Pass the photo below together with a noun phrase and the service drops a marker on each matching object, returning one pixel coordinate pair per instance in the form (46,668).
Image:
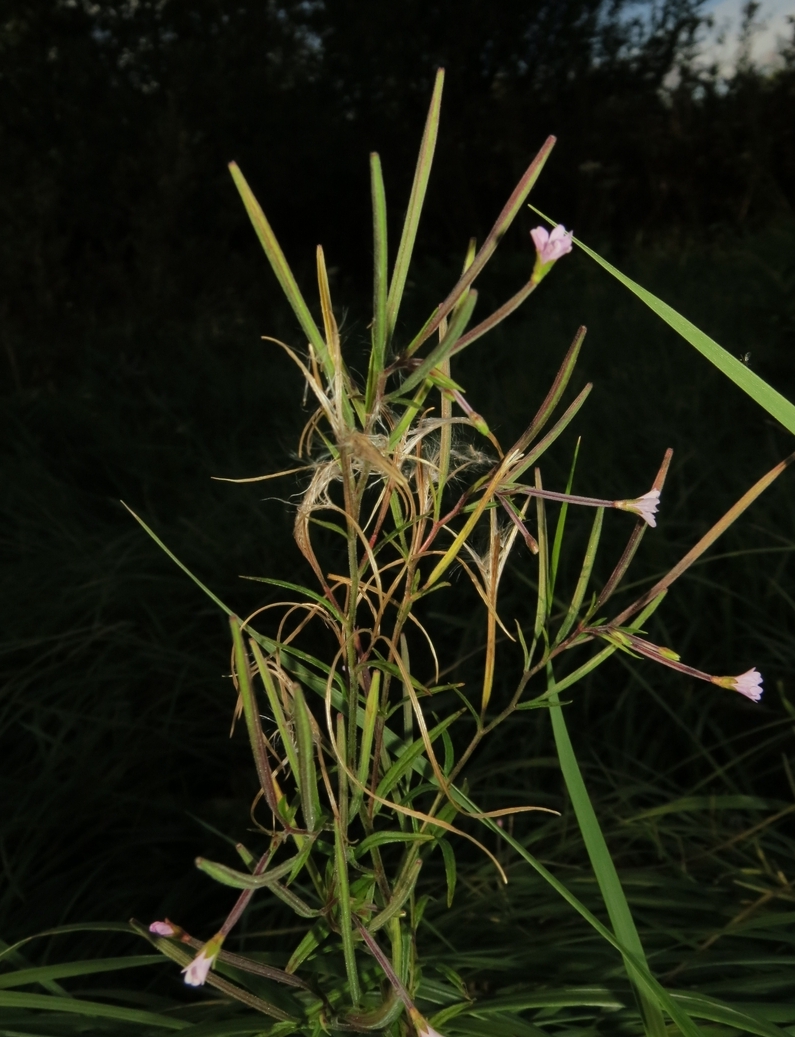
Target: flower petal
(162,928)
(749,684)
(196,973)
(540,236)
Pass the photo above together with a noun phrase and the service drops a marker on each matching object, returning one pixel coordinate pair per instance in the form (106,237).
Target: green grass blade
(605,870)
(63,970)
(686,1025)
(9,950)
(757,388)
(380,281)
(284,274)
(94,1009)
(416,200)
(738,1018)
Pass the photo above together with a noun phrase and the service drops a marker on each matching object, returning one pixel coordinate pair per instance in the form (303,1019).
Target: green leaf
(560,528)
(309,943)
(416,200)
(345,915)
(243,880)
(306,775)
(585,576)
(449,869)
(406,760)
(652,985)
(48,1003)
(46,973)
(439,353)
(368,731)
(380,281)
(557,429)
(299,589)
(757,388)
(383,838)
(719,1012)
(284,274)
(276,706)
(251,714)
(509,212)
(602,863)
(401,891)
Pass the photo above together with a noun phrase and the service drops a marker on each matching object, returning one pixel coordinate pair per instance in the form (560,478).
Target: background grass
(115,708)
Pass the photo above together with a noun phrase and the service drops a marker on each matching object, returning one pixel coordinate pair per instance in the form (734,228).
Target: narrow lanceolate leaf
(584,578)
(605,870)
(276,707)
(384,838)
(448,853)
(443,350)
(345,915)
(251,714)
(560,529)
(380,281)
(368,731)
(757,388)
(557,429)
(281,268)
(404,887)
(405,762)
(486,251)
(242,880)
(307,773)
(411,223)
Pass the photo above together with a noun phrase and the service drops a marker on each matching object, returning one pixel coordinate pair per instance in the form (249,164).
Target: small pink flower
(551,247)
(749,684)
(196,972)
(645,506)
(162,928)
(424,1028)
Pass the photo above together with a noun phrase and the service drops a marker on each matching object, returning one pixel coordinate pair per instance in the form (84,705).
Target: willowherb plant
(360,777)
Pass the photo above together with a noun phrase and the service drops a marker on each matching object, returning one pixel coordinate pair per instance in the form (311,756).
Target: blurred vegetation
(132,298)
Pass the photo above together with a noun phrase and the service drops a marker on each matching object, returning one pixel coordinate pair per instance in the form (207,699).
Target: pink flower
(749,684)
(196,972)
(162,928)
(645,506)
(551,247)
(424,1028)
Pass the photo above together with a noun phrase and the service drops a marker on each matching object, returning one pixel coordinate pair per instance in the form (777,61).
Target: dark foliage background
(132,298)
